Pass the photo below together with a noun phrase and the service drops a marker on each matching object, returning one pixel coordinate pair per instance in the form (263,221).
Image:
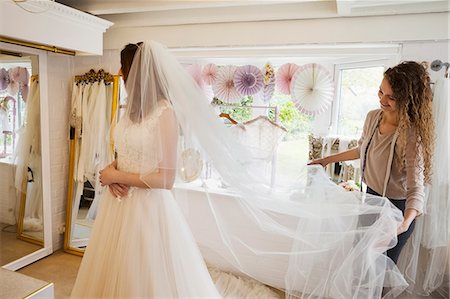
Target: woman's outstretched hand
(322,162)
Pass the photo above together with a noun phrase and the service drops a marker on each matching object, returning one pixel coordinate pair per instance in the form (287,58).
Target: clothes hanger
(266,119)
(227,116)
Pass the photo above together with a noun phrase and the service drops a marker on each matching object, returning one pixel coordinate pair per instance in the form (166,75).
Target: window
(12,104)
(356,93)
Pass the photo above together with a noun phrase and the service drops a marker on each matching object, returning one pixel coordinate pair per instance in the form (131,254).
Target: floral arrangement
(269,74)
(269,82)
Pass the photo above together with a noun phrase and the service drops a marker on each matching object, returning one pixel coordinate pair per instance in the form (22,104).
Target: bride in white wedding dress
(324,242)
(141,246)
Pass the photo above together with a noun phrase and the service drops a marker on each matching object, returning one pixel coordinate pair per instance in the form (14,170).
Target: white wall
(60,69)
(371,29)
(427,51)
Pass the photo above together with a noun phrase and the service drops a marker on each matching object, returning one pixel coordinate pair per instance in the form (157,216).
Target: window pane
(358,95)
(292,152)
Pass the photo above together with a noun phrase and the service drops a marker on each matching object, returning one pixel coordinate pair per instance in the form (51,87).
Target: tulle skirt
(141,247)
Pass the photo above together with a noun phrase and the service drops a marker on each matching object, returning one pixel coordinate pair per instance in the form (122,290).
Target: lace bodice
(138,144)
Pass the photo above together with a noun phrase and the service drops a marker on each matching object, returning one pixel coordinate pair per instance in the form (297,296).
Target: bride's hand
(119,190)
(108,175)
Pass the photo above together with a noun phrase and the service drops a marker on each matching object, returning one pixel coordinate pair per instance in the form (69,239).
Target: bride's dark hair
(126,58)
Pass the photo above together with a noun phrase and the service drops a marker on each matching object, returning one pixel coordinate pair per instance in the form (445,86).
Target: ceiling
(170,12)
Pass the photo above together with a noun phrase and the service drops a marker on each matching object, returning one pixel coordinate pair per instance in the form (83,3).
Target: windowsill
(212,186)
(7,160)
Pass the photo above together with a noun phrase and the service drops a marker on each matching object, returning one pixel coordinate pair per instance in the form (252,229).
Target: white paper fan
(312,89)
(191,165)
(224,87)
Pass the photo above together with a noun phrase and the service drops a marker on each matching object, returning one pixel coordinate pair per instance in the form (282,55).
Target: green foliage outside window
(237,113)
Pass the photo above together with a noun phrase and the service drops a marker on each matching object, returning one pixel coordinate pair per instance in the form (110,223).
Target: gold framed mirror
(21,204)
(84,190)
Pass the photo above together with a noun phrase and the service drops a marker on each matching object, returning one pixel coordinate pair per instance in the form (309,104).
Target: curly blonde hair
(410,84)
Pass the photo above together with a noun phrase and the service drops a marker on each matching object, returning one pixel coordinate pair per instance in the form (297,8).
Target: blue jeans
(394,252)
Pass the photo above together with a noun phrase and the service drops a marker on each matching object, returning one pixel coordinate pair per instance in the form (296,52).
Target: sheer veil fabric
(425,258)
(313,239)
(330,243)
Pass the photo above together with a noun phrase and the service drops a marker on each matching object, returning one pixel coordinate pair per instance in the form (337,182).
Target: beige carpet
(60,268)
(12,248)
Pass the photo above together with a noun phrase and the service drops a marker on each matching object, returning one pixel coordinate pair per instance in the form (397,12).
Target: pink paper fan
(209,73)
(312,89)
(13,88)
(14,74)
(248,80)
(4,79)
(284,77)
(224,87)
(195,70)
(24,89)
(24,76)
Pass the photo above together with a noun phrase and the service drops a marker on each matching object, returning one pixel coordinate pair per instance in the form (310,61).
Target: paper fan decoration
(13,88)
(14,74)
(24,89)
(4,79)
(284,77)
(248,80)
(209,73)
(269,82)
(312,89)
(195,70)
(191,165)
(223,87)
(24,76)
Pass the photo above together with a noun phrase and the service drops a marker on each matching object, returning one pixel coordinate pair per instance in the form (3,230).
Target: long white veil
(327,243)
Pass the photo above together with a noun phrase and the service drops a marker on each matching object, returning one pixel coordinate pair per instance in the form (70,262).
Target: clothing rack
(437,65)
(92,76)
(275,108)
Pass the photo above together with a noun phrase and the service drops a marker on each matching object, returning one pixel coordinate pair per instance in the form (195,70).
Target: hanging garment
(261,137)
(90,116)
(28,156)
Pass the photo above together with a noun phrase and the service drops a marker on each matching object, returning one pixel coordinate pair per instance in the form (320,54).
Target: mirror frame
(45,156)
(70,185)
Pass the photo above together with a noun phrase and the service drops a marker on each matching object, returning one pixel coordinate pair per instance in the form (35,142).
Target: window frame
(338,68)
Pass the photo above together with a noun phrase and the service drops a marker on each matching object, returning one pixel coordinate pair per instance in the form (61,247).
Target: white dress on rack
(141,246)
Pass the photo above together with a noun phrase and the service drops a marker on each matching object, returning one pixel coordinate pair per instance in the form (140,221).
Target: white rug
(231,286)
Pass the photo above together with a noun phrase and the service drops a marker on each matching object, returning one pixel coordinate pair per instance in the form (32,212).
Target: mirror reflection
(94,103)
(21,215)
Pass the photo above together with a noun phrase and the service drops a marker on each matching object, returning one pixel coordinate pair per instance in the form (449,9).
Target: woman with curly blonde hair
(396,146)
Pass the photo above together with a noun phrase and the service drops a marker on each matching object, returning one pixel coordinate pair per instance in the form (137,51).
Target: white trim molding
(50,23)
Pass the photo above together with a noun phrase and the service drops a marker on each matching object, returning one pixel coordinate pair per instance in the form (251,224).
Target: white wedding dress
(141,246)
